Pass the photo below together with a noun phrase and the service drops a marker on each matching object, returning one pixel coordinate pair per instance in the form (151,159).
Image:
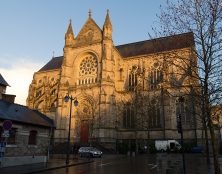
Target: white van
(164,145)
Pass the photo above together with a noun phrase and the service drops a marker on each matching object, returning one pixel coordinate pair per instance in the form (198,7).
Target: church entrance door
(84,132)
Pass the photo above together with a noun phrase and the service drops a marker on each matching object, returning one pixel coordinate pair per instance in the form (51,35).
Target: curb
(59,167)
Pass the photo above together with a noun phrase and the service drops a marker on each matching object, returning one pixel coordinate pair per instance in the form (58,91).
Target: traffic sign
(6,134)
(7,125)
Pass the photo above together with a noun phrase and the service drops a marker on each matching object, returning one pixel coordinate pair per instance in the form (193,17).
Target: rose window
(88,66)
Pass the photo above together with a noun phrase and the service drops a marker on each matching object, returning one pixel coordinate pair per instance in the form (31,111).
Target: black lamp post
(180,130)
(66,99)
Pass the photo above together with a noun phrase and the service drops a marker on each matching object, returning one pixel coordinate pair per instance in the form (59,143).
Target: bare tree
(204,19)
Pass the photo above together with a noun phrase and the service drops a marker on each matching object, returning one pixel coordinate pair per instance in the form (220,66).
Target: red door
(84,132)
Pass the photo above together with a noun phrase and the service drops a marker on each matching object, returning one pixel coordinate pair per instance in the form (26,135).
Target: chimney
(9,98)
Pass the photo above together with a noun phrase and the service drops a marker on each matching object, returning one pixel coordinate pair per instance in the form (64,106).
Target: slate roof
(168,43)
(157,45)
(2,81)
(54,63)
(22,114)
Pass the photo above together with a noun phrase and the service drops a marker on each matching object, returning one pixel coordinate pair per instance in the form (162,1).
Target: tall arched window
(133,78)
(155,76)
(185,110)
(32,137)
(128,117)
(154,115)
(88,70)
(121,74)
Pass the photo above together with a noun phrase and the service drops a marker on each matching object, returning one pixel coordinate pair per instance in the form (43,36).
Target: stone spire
(69,37)
(107,20)
(107,27)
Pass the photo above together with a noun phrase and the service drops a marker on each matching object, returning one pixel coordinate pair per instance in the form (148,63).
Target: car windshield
(88,148)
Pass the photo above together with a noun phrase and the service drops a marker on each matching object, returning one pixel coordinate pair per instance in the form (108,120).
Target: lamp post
(66,99)
(180,130)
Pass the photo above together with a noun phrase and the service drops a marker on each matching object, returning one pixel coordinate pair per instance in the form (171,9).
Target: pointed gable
(3,82)
(89,34)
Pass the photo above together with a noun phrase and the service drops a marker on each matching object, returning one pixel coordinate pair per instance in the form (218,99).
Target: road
(143,164)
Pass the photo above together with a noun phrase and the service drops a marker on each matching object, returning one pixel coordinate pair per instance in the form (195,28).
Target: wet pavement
(52,164)
(161,163)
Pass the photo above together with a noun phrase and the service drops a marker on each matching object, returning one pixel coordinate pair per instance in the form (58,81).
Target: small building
(26,138)
(3,86)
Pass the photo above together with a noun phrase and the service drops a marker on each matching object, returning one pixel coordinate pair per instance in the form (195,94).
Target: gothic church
(125,93)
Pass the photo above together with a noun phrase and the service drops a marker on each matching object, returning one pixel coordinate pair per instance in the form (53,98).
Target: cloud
(19,77)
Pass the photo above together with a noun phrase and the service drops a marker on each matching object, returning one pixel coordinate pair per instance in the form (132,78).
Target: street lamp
(180,130)
(66,99)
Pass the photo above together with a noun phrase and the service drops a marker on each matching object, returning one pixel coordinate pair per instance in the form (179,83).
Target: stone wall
(21,152)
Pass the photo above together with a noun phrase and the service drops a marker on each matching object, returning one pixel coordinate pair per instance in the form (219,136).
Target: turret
(107,27)
(69,37)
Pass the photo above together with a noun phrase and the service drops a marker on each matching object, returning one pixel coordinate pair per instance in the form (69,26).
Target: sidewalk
(54,163)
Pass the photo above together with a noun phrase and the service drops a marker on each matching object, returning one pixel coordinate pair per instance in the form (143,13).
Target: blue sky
(31,30)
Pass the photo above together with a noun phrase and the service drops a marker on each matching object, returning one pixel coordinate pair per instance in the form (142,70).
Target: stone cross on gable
(90,13)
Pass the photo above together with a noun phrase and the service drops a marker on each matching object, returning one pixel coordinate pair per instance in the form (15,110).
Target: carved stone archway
(85,116)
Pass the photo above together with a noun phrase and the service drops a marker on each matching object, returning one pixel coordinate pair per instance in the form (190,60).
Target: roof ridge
(21,113)
(159,38)
(53,63)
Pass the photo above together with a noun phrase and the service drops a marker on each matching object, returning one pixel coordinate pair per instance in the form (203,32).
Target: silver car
(89,152)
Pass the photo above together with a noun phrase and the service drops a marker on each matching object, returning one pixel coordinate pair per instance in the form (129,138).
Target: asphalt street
(162,163)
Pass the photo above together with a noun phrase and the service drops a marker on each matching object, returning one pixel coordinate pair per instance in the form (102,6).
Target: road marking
(153,166)
(104,164)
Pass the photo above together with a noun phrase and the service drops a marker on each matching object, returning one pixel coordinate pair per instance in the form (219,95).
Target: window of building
(155,76)
(121,74)
(53,92)
(88,69)
(38,93)
(182,108)
(154,115)
(128,117)
(32,137)
(53,107)
(133,78)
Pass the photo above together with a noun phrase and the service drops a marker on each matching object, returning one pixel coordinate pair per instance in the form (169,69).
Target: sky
(32,31)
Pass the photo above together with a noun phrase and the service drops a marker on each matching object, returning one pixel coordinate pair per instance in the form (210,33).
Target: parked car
(89,152)
(197,149)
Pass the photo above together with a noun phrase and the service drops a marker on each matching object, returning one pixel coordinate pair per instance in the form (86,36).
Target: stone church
(118,94)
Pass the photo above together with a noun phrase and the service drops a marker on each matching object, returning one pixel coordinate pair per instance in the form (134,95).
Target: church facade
(126,93)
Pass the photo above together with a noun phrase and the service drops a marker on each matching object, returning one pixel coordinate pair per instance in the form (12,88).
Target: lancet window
(153,113)
(128,117)
(185,111)
(155,76)
(133,78)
